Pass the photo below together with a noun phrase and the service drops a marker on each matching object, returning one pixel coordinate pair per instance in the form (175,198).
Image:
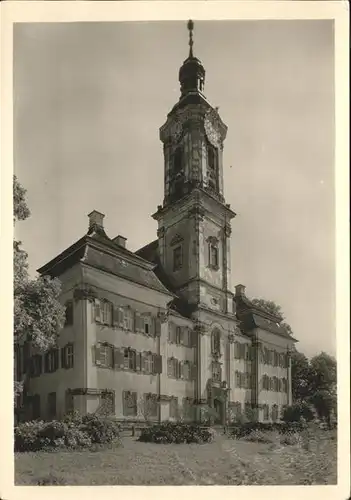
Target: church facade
(159,333)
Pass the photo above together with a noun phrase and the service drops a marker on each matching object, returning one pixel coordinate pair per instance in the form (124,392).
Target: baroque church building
(158,333)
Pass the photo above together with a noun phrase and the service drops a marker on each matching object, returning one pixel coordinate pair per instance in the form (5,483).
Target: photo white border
(94,11)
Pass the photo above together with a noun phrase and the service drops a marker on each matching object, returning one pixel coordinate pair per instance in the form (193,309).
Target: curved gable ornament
(176,239)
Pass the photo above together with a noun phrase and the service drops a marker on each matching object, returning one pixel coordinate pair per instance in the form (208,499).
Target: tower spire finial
(191,43)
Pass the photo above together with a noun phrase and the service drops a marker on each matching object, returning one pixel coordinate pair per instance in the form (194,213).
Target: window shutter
(157,363)
(56,359)
(97,311)
(138,361)
(181,369)
(124,402)
(143,361)
(97,355)
(181,335)
(157,327)
(116,316)
(63,360)
(117,358)
(193,371)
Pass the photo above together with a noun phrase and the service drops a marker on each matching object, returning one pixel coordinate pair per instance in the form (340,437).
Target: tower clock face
(211,132)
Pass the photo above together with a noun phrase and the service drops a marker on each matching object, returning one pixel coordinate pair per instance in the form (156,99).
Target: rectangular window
(106,313)
(67,355)
(36,406)
(51,361)
(128,317)
(52,405)
(172,367)
(147,325)
(130,359)
(173,407)
(172,336)
(129,404)
(105,356)
(265,412)
(188,409)
(150,405)
(148,362)
(177,258)
(107,403)
(36,365)
(275,413)
(213,255)
(186,370)
(69,313)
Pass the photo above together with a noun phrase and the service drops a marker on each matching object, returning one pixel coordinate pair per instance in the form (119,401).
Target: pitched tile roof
(99,251)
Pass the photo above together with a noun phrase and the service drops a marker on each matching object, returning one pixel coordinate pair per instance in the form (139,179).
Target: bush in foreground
(72,432)
(176,432)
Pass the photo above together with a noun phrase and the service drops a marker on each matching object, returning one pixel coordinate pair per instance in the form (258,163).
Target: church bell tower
(194,220)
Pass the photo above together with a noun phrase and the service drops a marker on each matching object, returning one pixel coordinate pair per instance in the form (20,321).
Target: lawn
(222,462)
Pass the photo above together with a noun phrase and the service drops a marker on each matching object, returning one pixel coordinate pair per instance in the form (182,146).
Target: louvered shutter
(138,361)
(157,363)
(97,311)
(118,358)
(143,361)
(137,320)
(97,355)
(157,327)
(181,335)
(56,359)
(116,316)
(181,369)
(124,402)
(63,358)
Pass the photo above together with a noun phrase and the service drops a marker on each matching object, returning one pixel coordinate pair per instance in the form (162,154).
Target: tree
(275,309)
(300,375)
(268,306)
(38,314)
(323,385)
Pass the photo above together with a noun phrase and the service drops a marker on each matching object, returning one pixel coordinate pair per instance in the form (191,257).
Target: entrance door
(218,407)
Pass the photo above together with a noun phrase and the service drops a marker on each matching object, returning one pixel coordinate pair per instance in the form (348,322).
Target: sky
(89,99)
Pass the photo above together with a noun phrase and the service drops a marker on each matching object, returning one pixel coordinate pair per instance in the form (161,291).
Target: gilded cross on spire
(191,43)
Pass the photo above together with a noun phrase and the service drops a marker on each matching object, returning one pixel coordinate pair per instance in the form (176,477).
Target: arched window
(216,342)
(178,160)
(212,167)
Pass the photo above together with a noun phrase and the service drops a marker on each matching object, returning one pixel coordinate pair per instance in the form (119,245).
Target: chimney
(96,220)
(240,291)
(120,240)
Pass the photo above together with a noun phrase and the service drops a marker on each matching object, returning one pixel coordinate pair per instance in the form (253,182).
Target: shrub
(291,439)
(258,436)
(101,429)
(176,432)
(73,431)
(295,412)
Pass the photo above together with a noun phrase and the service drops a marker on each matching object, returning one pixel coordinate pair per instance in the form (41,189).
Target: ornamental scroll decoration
(86,293)
(163,316)
(200,327)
